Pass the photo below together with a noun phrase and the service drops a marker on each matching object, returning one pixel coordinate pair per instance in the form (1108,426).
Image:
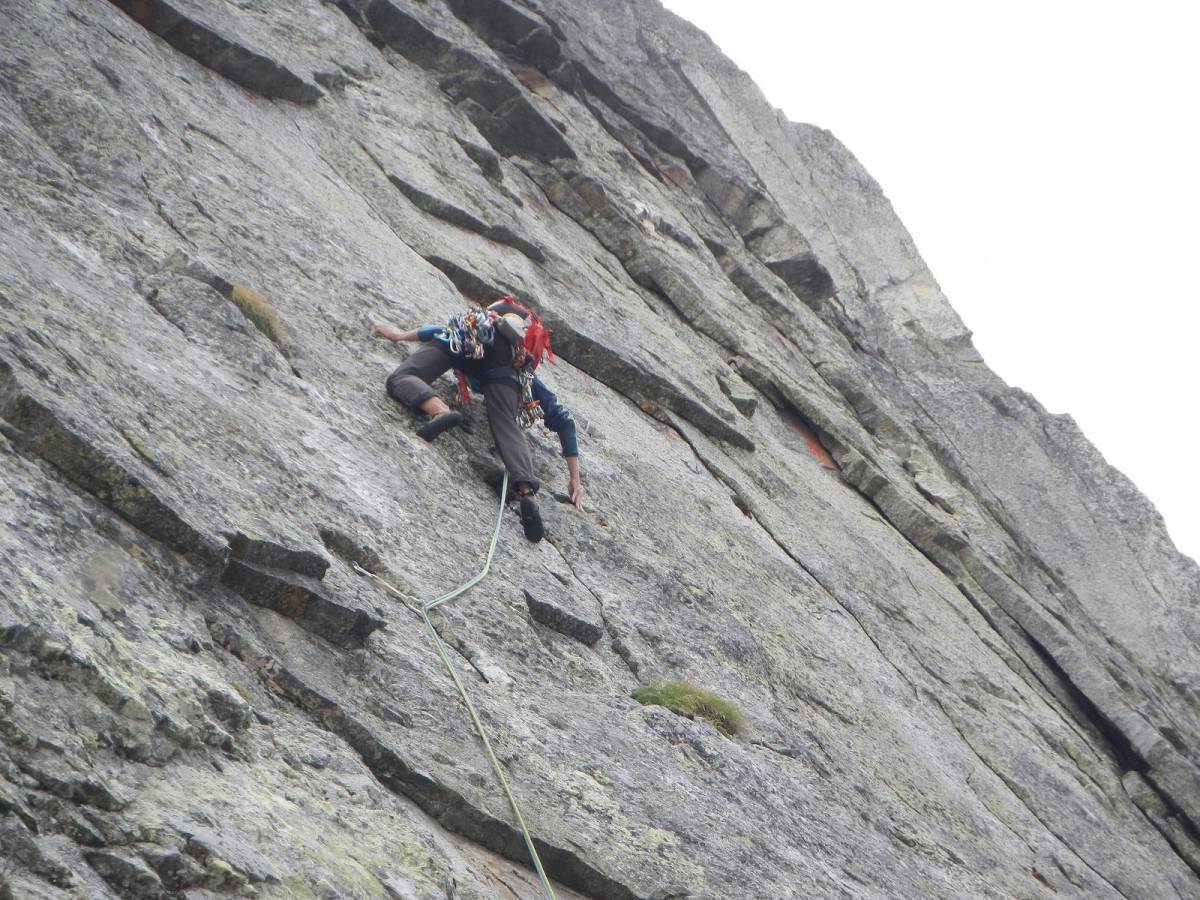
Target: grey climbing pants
(409,384)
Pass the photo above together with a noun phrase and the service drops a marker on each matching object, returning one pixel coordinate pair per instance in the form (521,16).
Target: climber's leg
(503,399)
(503,402)
(409,384)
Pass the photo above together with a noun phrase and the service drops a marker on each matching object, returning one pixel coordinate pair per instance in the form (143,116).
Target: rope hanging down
(440,646)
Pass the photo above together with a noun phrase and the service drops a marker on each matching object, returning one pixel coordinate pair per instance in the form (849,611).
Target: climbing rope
(440,646)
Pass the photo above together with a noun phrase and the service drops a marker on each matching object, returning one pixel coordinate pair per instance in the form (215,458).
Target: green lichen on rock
(223,876)
(686,699)
(141,447)
(259,312)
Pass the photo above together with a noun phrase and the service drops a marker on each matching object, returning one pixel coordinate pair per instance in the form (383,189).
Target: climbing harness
(440,646)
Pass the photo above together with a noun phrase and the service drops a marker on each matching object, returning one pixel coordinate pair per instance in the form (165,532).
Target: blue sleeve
(557,418)
(429,332)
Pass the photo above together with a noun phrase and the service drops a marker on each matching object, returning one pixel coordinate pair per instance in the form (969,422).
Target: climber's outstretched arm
(423,334)
(559,420)
(387,331)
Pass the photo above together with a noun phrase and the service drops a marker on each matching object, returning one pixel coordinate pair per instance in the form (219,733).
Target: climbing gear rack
(530,412)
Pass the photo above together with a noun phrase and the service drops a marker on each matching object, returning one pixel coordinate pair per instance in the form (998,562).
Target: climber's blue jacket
(556,417)
(484,371)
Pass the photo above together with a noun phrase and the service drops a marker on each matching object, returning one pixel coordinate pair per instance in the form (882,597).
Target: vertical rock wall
(964,645)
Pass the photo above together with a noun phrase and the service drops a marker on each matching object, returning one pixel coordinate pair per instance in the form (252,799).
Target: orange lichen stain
(814,447)
(677,175)
(140,11)
(534,81)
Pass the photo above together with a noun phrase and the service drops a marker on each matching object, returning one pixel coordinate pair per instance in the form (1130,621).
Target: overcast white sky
(1045,157)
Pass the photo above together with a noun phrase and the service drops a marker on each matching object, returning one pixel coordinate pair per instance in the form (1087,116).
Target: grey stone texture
(965,647)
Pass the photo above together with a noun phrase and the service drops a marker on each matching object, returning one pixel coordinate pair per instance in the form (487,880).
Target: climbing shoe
(440,423)
(531,518)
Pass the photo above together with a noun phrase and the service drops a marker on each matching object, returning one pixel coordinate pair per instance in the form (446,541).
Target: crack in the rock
(162,214)
(615,642)
(458,644)
(47,434)
(721,478)
(1013,790)
(227,58)
(1020,837)
(382,219)
(441,802)
(459,218)
(151,298)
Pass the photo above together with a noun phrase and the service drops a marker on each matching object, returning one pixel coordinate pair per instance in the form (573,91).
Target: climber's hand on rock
(392,334)
(575,490)
(574,485)
(386,331)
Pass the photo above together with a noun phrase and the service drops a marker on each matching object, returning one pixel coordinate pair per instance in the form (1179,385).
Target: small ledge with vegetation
(685,699)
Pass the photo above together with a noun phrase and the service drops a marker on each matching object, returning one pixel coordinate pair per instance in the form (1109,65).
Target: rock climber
(495,351)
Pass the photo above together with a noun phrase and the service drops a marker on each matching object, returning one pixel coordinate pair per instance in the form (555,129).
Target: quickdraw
(464,387)
(531,411)
(470,334)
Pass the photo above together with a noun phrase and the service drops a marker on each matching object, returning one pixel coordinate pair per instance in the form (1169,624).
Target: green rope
(440,646)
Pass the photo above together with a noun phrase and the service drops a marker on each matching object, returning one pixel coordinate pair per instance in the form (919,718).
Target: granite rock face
(964,645)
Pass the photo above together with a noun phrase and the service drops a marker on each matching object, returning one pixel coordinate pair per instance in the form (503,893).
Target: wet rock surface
(964,645)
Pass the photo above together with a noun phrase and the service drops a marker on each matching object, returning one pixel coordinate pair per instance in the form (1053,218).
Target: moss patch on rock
(686,699)
(259,312)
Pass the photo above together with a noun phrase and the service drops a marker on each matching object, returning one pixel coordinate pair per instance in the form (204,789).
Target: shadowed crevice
(222,55)
(440,801)
(37,428)
(302,600)
(492,99)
